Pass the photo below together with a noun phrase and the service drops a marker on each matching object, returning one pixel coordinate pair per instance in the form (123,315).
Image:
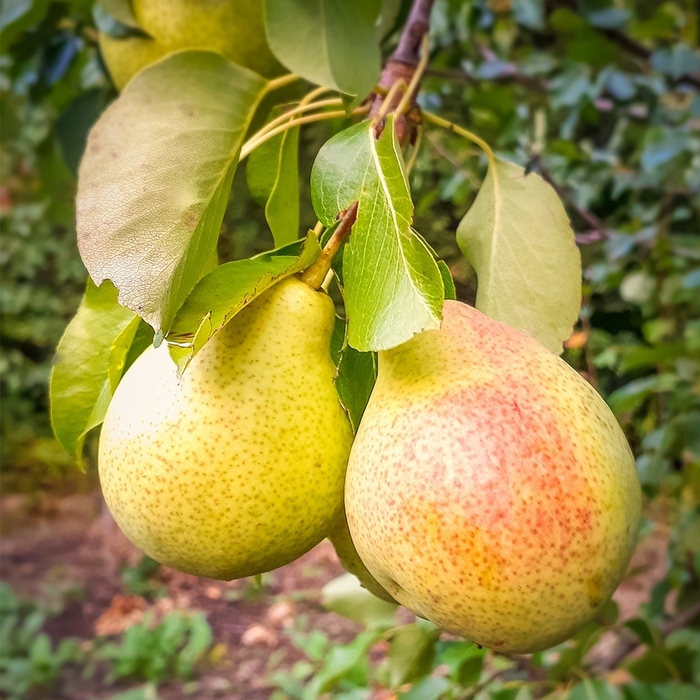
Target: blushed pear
(490,489)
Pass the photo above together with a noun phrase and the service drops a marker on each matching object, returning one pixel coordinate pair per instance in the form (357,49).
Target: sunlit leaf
(518,238)
(393,287)
(156,175)
(90,360)
(594,689)
(226,290)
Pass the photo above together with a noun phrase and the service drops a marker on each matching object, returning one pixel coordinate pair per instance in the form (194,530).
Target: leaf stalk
(282,81)
(450,126)
(252,143)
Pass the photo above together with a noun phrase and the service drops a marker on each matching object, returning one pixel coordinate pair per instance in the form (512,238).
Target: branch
(401,66)
(511,77)
(682,619)
(626,42)
(417,26)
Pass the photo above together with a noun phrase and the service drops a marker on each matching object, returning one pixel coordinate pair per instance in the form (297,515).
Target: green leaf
(463,659)
(654,666)
(529,13)
(393,286)
(646,633)
(676,61)
(430,688)
(273,180)
(116,19)
(633,395)
(448,282)
(333,43)
(662,145)
(411,653)
(156,175)
(642,357)
(17,16)
(571,657)
(121,10)
(518,239)
(89,362)
(357,373)
(226,290)
(660,691)
(340,661)
(346,596)
(594,689)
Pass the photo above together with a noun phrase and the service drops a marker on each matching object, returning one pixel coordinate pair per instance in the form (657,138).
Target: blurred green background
(602,98)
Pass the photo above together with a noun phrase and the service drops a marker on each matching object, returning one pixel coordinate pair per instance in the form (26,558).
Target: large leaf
(273,180)
(90,360)
(393,287)
(226,290)
(156,176)
(329,42)
(518,238)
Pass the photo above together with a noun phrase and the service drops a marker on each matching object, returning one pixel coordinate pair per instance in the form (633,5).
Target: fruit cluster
(488,488)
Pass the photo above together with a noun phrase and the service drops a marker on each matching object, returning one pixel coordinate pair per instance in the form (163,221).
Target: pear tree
(230,390)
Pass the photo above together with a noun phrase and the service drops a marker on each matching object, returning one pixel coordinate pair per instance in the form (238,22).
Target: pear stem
(300,109)
(315,274)
(311,96)
(252,143)
(439,121)
(280,82)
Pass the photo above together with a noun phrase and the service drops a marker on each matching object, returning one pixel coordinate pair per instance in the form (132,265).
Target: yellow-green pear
(238,467)
(233,28)
(490,488)
(345,549)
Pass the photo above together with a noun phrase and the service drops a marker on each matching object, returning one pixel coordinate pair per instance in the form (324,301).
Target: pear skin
(237,468)
(490,488)
(233,28)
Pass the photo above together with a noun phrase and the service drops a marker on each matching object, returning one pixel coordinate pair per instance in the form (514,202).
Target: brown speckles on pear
(489,487)
(223,474)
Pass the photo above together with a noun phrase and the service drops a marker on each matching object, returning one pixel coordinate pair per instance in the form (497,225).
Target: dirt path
(68,553)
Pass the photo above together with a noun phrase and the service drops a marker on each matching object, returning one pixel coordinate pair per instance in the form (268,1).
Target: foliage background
(602,97)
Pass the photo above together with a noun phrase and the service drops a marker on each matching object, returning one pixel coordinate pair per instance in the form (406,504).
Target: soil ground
(67,553)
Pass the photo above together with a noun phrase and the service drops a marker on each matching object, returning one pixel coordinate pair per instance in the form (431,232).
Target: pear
(347,554)
(490,488)
(238,467)
(233,28)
